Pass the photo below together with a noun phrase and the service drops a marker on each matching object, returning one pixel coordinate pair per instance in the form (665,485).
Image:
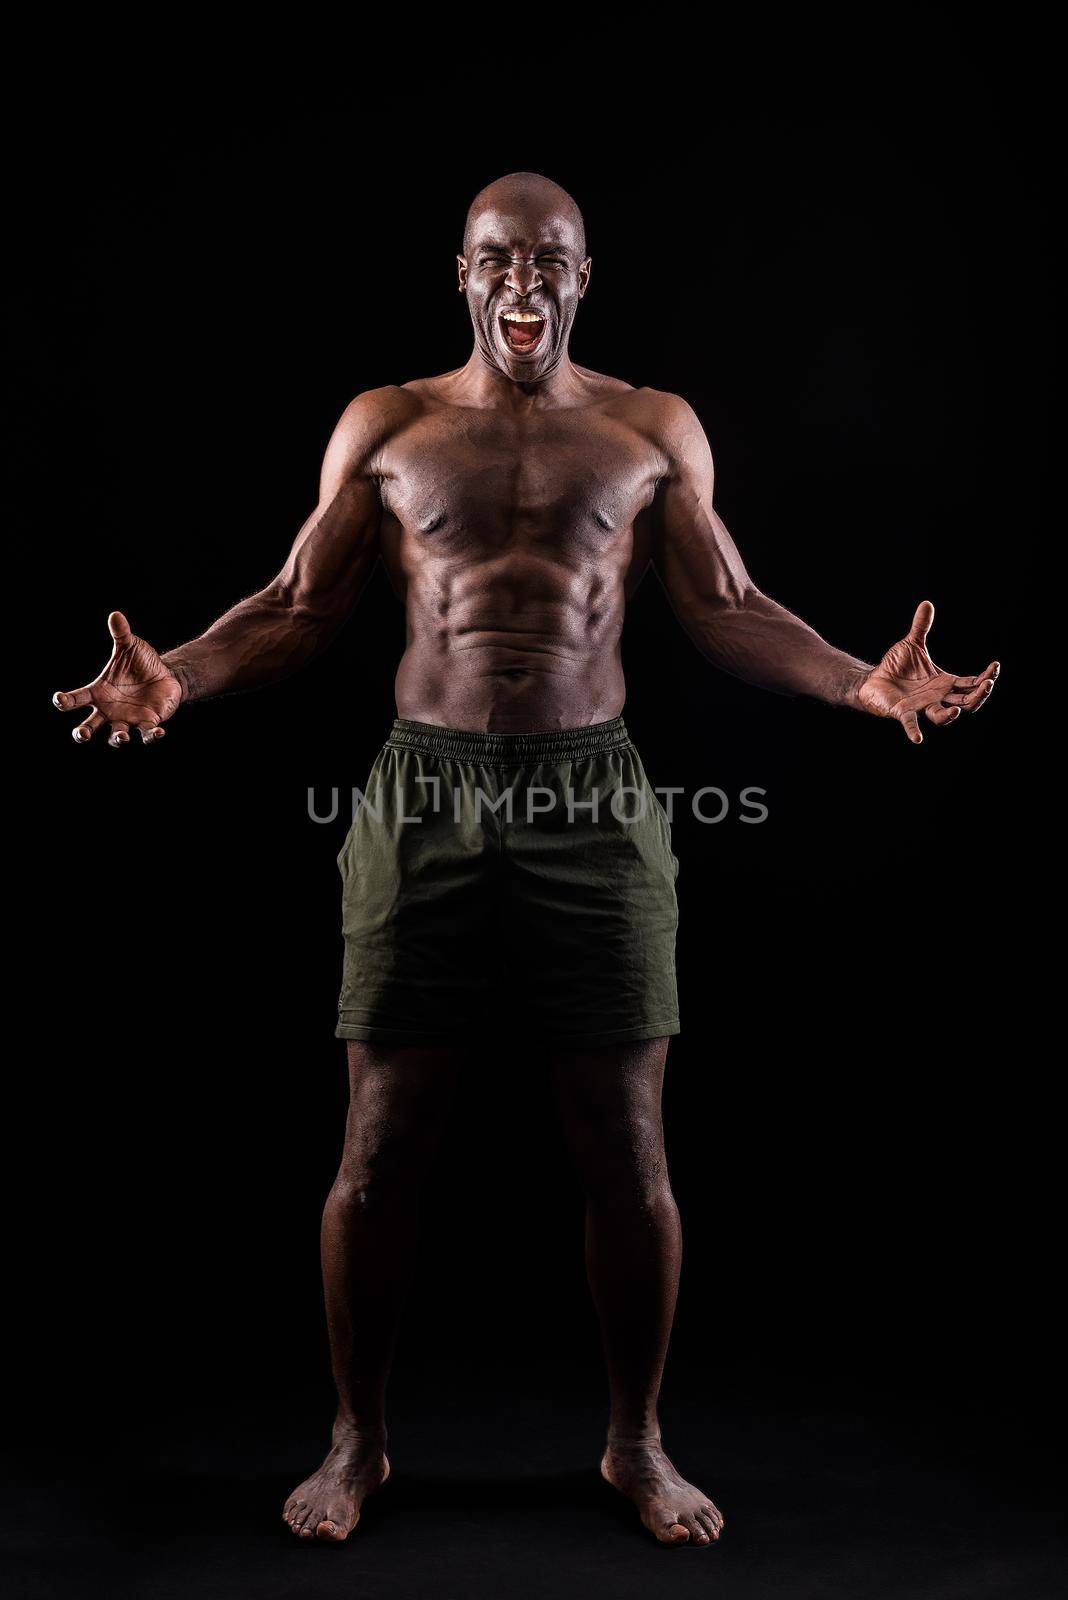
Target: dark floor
(815,1507)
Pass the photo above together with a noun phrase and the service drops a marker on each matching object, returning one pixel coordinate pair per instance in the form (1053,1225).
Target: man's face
(524,274)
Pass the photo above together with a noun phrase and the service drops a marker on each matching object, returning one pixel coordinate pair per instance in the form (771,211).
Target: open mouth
(522,331)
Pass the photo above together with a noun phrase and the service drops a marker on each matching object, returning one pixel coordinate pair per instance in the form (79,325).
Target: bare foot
(327,1505)
(676,1511)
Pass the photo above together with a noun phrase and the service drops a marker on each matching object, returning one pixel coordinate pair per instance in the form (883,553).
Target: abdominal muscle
(516,646)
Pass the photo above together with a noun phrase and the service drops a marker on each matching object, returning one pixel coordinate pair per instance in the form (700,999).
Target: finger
(71,699)
(85,730)
(119,629)
(921,622)
(120,734)
(940,715)
(990,674)
(978,697)
(910,723)
(151,735)
(970,699)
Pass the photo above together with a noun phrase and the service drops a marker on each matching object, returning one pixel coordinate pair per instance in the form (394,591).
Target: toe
(708,1525)
(331,1531)
(698,1534)
(672,1532)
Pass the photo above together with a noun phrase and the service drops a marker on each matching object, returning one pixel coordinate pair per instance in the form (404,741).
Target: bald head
(524,270)
(525,192)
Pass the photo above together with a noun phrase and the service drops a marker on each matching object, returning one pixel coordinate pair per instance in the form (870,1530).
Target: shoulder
(654,412)
(673,418)
(366,425)
(671,426)
(376,413)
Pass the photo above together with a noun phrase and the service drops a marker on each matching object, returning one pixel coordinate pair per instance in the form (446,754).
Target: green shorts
(530,868)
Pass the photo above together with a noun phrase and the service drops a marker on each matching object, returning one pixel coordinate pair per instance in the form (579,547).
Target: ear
(584,275)
(461,267)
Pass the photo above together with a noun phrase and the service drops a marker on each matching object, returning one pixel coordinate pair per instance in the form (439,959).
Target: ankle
(348,1431)
(633,1438)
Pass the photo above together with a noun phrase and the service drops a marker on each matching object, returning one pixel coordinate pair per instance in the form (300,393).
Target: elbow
(724,620)
(731,596)
(745,596)
(298,611)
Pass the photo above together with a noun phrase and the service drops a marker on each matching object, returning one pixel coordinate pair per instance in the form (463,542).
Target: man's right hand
(135,690)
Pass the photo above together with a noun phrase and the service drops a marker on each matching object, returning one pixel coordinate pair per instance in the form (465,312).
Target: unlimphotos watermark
(709,804)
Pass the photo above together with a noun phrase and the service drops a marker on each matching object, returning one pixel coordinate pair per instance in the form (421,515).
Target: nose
(523,278)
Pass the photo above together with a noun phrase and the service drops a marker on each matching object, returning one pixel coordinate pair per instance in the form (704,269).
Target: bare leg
(610,1105)
(398,1099)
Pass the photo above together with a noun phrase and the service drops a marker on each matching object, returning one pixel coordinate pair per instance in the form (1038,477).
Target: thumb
(921,622)
(911,724)
(119,628)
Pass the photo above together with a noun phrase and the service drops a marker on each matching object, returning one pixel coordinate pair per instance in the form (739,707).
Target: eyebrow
(542,249)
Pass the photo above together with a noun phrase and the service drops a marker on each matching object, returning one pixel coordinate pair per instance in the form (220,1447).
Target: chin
(524,369)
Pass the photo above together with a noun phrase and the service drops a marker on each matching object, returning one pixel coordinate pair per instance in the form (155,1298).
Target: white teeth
(521,316)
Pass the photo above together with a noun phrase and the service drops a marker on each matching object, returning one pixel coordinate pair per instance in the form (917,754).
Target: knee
(371,1180)
(627,1173)
(636,1192)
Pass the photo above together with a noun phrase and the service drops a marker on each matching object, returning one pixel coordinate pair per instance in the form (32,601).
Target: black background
(832,241)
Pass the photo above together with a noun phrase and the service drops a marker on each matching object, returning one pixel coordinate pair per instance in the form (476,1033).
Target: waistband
(509,749)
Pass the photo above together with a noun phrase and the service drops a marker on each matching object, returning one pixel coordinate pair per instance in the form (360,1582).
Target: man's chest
(467,474)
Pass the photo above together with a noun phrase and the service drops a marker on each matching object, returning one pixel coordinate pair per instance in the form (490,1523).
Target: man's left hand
(906,682)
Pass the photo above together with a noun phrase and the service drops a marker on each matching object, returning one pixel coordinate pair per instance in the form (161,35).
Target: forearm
(258,641)
(732,623)
(760,641)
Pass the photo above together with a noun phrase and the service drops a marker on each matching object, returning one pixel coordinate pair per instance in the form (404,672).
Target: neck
(484,384)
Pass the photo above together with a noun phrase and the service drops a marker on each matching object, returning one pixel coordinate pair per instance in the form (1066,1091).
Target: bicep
(333,554)
(694,555)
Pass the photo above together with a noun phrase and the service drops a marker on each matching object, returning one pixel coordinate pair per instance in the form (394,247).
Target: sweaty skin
(516,503)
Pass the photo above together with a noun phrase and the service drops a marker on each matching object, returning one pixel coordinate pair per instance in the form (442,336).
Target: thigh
(610,1105)
(418,913)
(399,1098)
(590,909)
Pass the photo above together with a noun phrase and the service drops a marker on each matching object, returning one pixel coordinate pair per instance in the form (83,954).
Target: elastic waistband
(509,749)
